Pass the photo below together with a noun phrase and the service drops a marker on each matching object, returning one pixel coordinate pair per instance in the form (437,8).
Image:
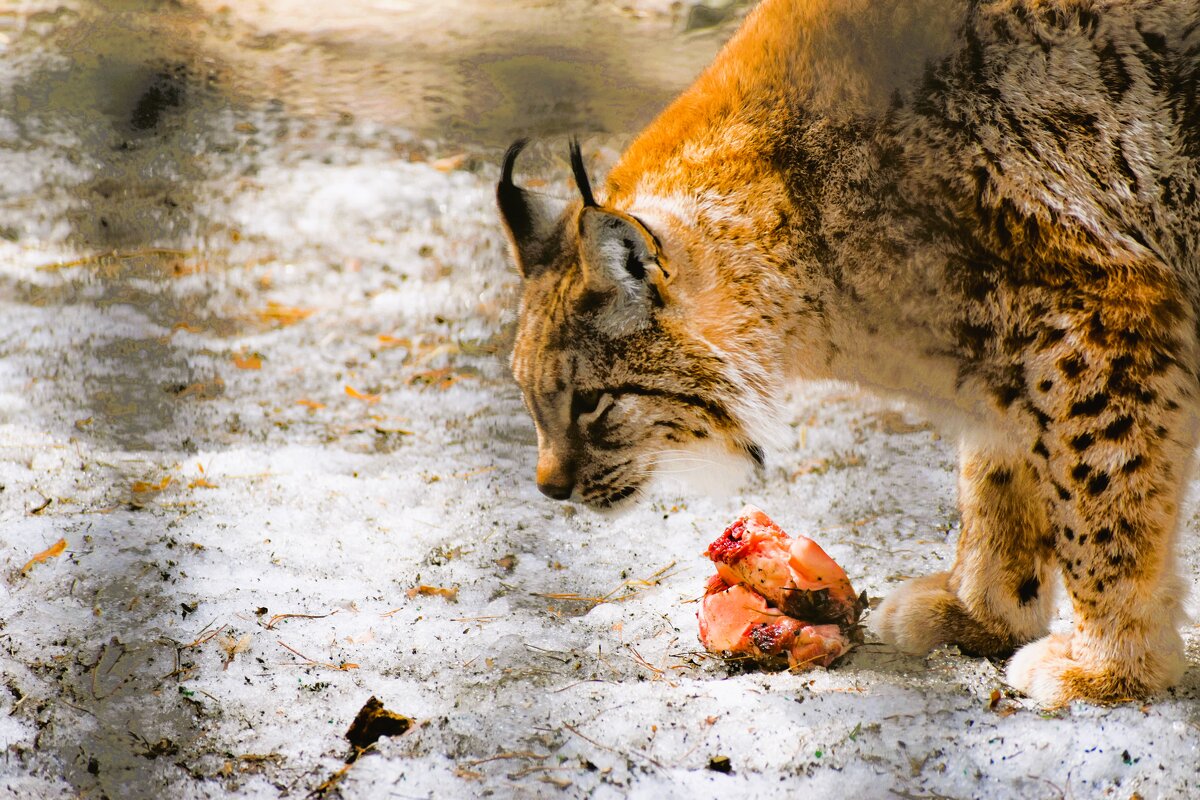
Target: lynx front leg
(998,593)
(1117,444)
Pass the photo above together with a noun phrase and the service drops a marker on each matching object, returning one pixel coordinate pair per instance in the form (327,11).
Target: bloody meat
(775,597)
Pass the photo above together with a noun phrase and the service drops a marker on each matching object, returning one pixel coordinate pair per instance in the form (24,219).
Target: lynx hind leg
(1117,443)
(998,594)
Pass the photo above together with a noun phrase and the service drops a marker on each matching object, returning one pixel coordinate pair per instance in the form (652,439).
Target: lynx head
(618,381)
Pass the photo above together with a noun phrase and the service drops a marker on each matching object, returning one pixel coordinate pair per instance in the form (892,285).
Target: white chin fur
(704,467)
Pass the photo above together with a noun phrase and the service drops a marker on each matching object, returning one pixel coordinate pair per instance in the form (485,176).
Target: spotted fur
(987,207)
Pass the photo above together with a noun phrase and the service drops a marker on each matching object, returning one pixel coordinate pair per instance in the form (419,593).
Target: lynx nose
(556,491)
(554,478)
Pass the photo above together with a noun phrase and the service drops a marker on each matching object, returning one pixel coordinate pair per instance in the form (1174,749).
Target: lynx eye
(585,401)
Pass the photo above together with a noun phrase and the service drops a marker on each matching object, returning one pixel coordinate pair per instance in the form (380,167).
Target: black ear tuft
(533,221)
(514,206)
(581,176)
(510,160)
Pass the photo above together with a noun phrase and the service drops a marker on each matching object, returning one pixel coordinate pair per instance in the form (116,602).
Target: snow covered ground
(252,372)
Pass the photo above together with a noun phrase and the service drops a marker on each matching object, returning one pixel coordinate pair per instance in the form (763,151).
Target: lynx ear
(531,220)
(622,259)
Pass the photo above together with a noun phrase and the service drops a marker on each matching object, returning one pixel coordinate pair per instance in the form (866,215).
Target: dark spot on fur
(1156,42)
(1103,535)
(1114,560)
(1161,360)
(1082,538)
(1096,333)
(1113,73)
(1039,449)
(592,301)
(1006,395)
(1082,442)
(1119,380)
(1028,590)
(1050,336)
(1081,471)
(1132,465)
(1072,366)
(1046,385)
(1091,406)
(1069,534)
(1000,477)
(973,339)
(1063,494)
(1099,585)
(1131,338)
(1118,428)
(1097,484)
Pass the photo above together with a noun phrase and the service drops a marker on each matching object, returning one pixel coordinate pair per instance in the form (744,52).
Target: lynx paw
(1049,672)
(924,613)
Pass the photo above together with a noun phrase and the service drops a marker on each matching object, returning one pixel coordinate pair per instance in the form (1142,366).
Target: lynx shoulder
(986,208)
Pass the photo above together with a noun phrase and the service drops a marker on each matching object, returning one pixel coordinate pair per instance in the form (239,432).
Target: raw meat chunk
(775,598)
(795,576)
(735,620)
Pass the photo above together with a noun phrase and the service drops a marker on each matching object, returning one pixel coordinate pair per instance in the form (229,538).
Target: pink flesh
(736,620)
(728,615)
(754,551)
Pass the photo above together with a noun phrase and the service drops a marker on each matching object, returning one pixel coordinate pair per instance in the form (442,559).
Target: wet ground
(260,458)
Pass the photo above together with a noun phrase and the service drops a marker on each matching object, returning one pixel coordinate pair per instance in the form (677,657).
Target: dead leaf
(244,361)
(144,487)
(233,646)
(450,593)
(53,551)
(439,378)
(370,399)
(284,315)
(204,390)
(202,483)
(311,405)
(450,163)
(371,723)
(395,341)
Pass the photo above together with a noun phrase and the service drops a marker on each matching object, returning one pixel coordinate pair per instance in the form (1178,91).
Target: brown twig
(281,617)
(314,663)
(589,740)
(527,754)
(115,256)
(635,583)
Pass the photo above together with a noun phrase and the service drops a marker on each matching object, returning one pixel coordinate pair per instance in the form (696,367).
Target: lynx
(984,207)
